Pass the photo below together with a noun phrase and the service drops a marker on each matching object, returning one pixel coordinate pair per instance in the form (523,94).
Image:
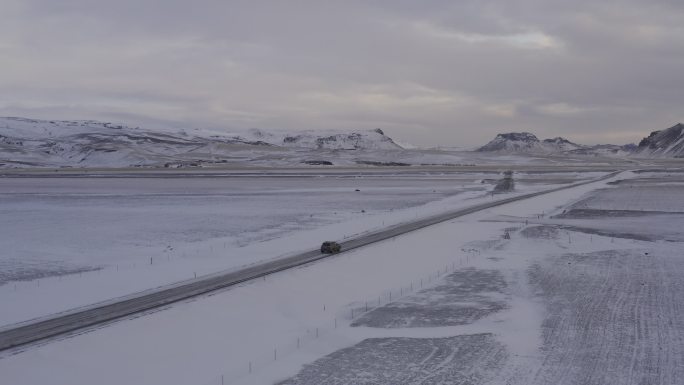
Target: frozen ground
(116,236)
(468,359)
(646,208)
(462,297)
(611,313)
(277,325)
(614,317)
(96,222)
(550,305)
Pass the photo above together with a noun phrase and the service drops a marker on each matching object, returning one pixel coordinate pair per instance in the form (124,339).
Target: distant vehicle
(330,247)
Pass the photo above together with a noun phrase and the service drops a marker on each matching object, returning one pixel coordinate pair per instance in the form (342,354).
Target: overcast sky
(429,72)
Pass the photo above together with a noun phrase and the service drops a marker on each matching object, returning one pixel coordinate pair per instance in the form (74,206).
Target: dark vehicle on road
(330,247)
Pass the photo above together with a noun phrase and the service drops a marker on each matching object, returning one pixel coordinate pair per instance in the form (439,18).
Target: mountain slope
(663,143)
(560,144)
(525,142)
(513,142)
(87,143)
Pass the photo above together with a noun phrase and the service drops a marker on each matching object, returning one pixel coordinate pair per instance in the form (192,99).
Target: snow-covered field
(557,303)
(97,222)
(117,236)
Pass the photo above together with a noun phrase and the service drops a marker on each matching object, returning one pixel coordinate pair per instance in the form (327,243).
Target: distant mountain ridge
(561,144)
(88,143)
(512,142)
(528,143)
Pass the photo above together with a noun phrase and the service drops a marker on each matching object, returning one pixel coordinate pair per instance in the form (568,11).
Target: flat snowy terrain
(607,305)
(117,236)
(564,288)
(454,302)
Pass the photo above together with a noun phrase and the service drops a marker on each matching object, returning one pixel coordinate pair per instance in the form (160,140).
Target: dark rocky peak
(511,141)
(558,140)
(662,139)
(519,137)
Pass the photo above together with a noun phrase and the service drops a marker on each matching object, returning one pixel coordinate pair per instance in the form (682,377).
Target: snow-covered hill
(604,150)
(559,144)
(527,143)
(87,143)
(515,142)
(663,143)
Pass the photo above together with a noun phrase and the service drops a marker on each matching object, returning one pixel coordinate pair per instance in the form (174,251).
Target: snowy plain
(118,236)
(293,318)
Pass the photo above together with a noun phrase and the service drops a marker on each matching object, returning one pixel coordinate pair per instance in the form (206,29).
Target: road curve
(71,321)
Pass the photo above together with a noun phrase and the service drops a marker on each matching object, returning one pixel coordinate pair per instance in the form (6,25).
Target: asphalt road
(75,320)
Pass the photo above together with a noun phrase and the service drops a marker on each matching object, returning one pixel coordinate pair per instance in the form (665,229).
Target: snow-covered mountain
(513,142)
(516,142)
(87,143)
(605,150)
(527,143)
(367,140)
(663,143)
(560,144)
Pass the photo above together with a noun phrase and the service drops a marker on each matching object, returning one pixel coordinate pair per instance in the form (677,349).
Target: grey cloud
(430,72)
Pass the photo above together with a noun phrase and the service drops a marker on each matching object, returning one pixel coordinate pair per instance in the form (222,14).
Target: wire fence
(338,319)
(341,318)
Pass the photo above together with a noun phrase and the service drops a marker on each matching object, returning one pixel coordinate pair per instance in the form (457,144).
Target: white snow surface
(139,234)
(261,324)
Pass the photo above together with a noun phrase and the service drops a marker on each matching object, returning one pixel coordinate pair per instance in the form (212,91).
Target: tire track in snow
(613,319)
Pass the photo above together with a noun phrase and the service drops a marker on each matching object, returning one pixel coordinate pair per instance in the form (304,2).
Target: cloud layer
(432,72)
